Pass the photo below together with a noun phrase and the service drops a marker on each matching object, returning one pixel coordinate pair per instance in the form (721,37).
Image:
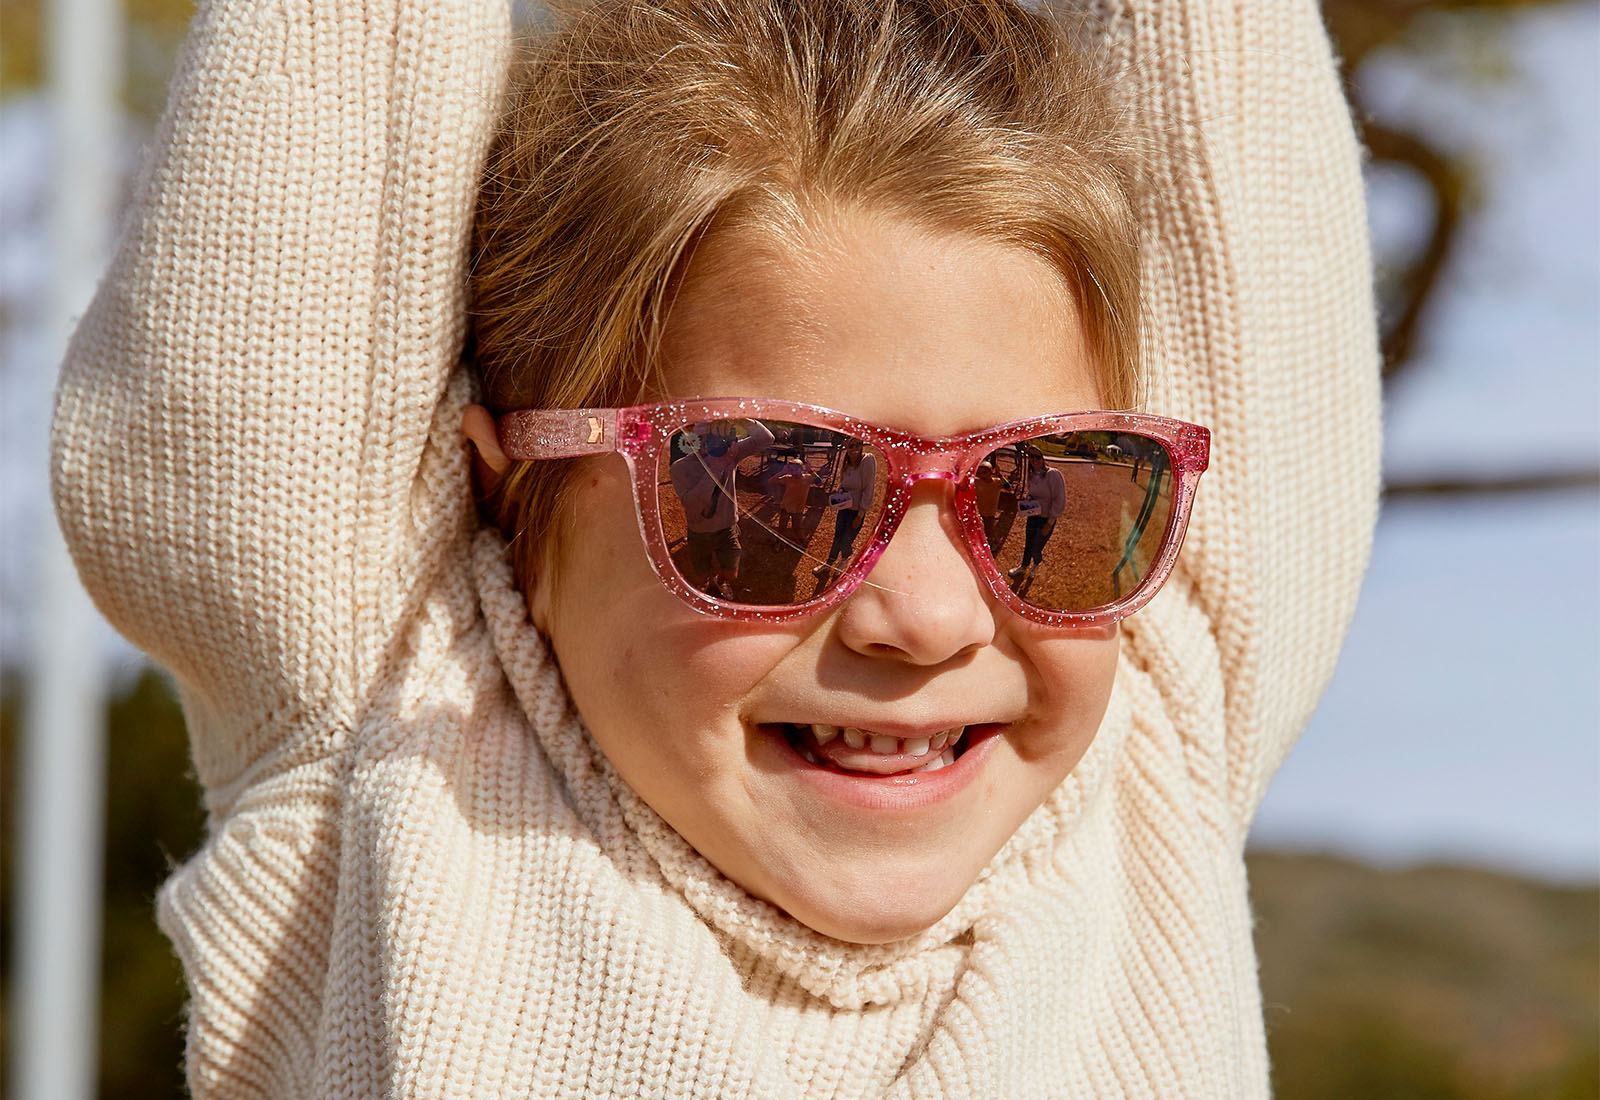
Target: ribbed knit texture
(421,878)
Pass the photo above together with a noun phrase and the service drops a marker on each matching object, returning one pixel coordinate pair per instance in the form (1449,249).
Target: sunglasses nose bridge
(931,465)
(910,479)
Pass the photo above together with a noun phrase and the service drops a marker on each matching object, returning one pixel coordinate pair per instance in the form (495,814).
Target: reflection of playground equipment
(1152,490)
(1110,529)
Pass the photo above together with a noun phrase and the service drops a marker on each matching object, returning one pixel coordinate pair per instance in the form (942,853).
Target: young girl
(547,817)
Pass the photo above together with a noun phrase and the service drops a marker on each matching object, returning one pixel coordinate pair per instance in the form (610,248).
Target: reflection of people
(986,486)
(1134,447)
(458,849)
(794,486)
(858,480)
(704,481)
(1044,499)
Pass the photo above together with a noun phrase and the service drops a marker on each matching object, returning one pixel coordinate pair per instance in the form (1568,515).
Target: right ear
(539,601)
(489,462)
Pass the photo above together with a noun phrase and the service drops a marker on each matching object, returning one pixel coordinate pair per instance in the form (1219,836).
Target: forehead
(933,333)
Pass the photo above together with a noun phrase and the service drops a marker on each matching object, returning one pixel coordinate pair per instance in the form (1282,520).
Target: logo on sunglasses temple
(595,429)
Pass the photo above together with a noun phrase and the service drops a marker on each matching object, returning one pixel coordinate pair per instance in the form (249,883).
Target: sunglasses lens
(1076,520)
(767,523)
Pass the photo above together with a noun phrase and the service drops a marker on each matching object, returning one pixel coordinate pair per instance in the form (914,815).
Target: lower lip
(889,793)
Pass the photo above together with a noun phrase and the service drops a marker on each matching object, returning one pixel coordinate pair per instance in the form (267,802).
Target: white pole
(61,794)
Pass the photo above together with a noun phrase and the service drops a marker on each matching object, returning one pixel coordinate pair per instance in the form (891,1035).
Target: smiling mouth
(854,750)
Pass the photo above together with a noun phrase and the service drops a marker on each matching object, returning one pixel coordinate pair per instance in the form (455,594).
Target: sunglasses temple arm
(531,434)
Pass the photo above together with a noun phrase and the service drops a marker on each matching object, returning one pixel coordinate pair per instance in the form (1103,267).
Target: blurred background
(1425,867)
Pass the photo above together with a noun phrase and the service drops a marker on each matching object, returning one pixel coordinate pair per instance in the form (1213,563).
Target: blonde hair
(637,126)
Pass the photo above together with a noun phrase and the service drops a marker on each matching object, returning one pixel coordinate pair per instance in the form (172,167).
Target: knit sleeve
(1260,324)
(245,456)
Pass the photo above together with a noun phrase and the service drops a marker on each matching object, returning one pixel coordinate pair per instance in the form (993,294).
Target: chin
(872,926)
(879,908)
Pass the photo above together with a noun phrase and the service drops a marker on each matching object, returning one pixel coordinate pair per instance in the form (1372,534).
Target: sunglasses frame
(638,432)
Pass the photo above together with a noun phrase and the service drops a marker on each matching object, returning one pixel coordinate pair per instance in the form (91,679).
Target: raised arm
(242,456)
(869,482)
(1261,325)
(757,439)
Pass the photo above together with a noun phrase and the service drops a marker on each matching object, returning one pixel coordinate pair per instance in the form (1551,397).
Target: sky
(1463,721)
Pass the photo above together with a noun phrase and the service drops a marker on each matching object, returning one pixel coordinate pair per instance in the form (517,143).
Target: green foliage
(153,818)
(20,36)
(153,31)
(1434,982)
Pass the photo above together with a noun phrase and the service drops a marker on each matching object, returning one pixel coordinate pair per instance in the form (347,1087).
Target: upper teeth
(882,743)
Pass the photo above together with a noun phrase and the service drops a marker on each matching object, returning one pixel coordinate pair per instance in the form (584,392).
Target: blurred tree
(1408,284)
(1359,27)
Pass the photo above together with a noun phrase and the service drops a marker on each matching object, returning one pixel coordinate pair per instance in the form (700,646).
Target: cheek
(634,656)
(599,565)
(1076,674)
(599,588)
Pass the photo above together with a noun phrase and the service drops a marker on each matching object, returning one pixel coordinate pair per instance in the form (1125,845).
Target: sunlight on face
(707,720)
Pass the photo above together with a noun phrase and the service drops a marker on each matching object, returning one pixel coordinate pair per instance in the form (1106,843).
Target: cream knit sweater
(421,878)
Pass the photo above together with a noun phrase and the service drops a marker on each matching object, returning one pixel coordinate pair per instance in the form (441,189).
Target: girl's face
(930,333)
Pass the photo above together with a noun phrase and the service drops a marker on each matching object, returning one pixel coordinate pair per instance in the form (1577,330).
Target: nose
(923,602)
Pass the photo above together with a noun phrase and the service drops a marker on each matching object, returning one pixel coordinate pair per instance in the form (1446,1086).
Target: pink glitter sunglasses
(769,511)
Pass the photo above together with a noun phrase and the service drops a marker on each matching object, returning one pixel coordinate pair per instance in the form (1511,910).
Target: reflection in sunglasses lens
(1075,520)
(767,513)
